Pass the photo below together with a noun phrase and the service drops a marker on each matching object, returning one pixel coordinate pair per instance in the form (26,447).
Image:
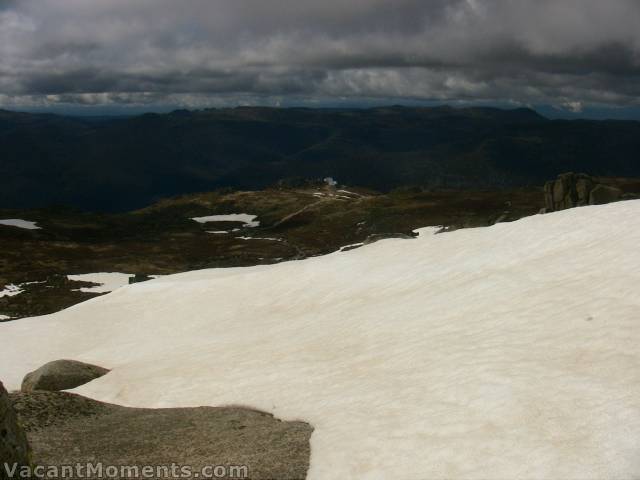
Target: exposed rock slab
(65,428)
(61,375)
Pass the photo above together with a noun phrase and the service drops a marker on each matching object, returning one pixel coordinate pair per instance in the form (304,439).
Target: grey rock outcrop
(14,448)
(61,375)
(571,190)
(65,429)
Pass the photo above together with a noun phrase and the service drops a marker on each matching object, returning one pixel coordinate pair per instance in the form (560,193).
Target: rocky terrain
(571,190)
(14,447)
(67,429)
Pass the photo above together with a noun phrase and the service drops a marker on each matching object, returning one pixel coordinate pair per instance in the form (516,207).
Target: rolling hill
(117,164)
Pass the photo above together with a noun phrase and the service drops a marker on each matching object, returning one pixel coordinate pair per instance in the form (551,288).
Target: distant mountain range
(115,164)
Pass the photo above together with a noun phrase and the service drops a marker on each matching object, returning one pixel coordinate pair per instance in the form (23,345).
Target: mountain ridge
(117,164)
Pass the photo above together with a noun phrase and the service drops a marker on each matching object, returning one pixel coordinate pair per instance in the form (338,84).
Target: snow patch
(431,230)
(350,193)
(350,247)
(260,238)
(108,282)
(5,317)
(502,352)
(247,219)
(11,290)
(17,222)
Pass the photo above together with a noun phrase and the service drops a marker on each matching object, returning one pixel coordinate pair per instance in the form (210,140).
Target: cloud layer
(204,52)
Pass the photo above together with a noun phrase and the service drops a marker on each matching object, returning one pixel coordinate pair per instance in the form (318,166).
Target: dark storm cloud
(195,52)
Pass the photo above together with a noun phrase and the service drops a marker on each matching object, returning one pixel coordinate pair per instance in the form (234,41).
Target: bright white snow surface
(502,352)
(108,282)
(4,317)
(17,222)
(248,220)
(349,247)
(260,238)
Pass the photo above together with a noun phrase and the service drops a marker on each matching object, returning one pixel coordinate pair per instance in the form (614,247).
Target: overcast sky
(568,55)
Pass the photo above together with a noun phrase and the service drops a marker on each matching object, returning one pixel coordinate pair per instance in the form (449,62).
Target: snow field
(502,352)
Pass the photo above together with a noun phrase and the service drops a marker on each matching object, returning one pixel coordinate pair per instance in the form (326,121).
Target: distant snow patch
(11,290)
(247,219)
(428,230)
(108,281)
(260,238)
(17,222)
(4,317)
(349,193)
